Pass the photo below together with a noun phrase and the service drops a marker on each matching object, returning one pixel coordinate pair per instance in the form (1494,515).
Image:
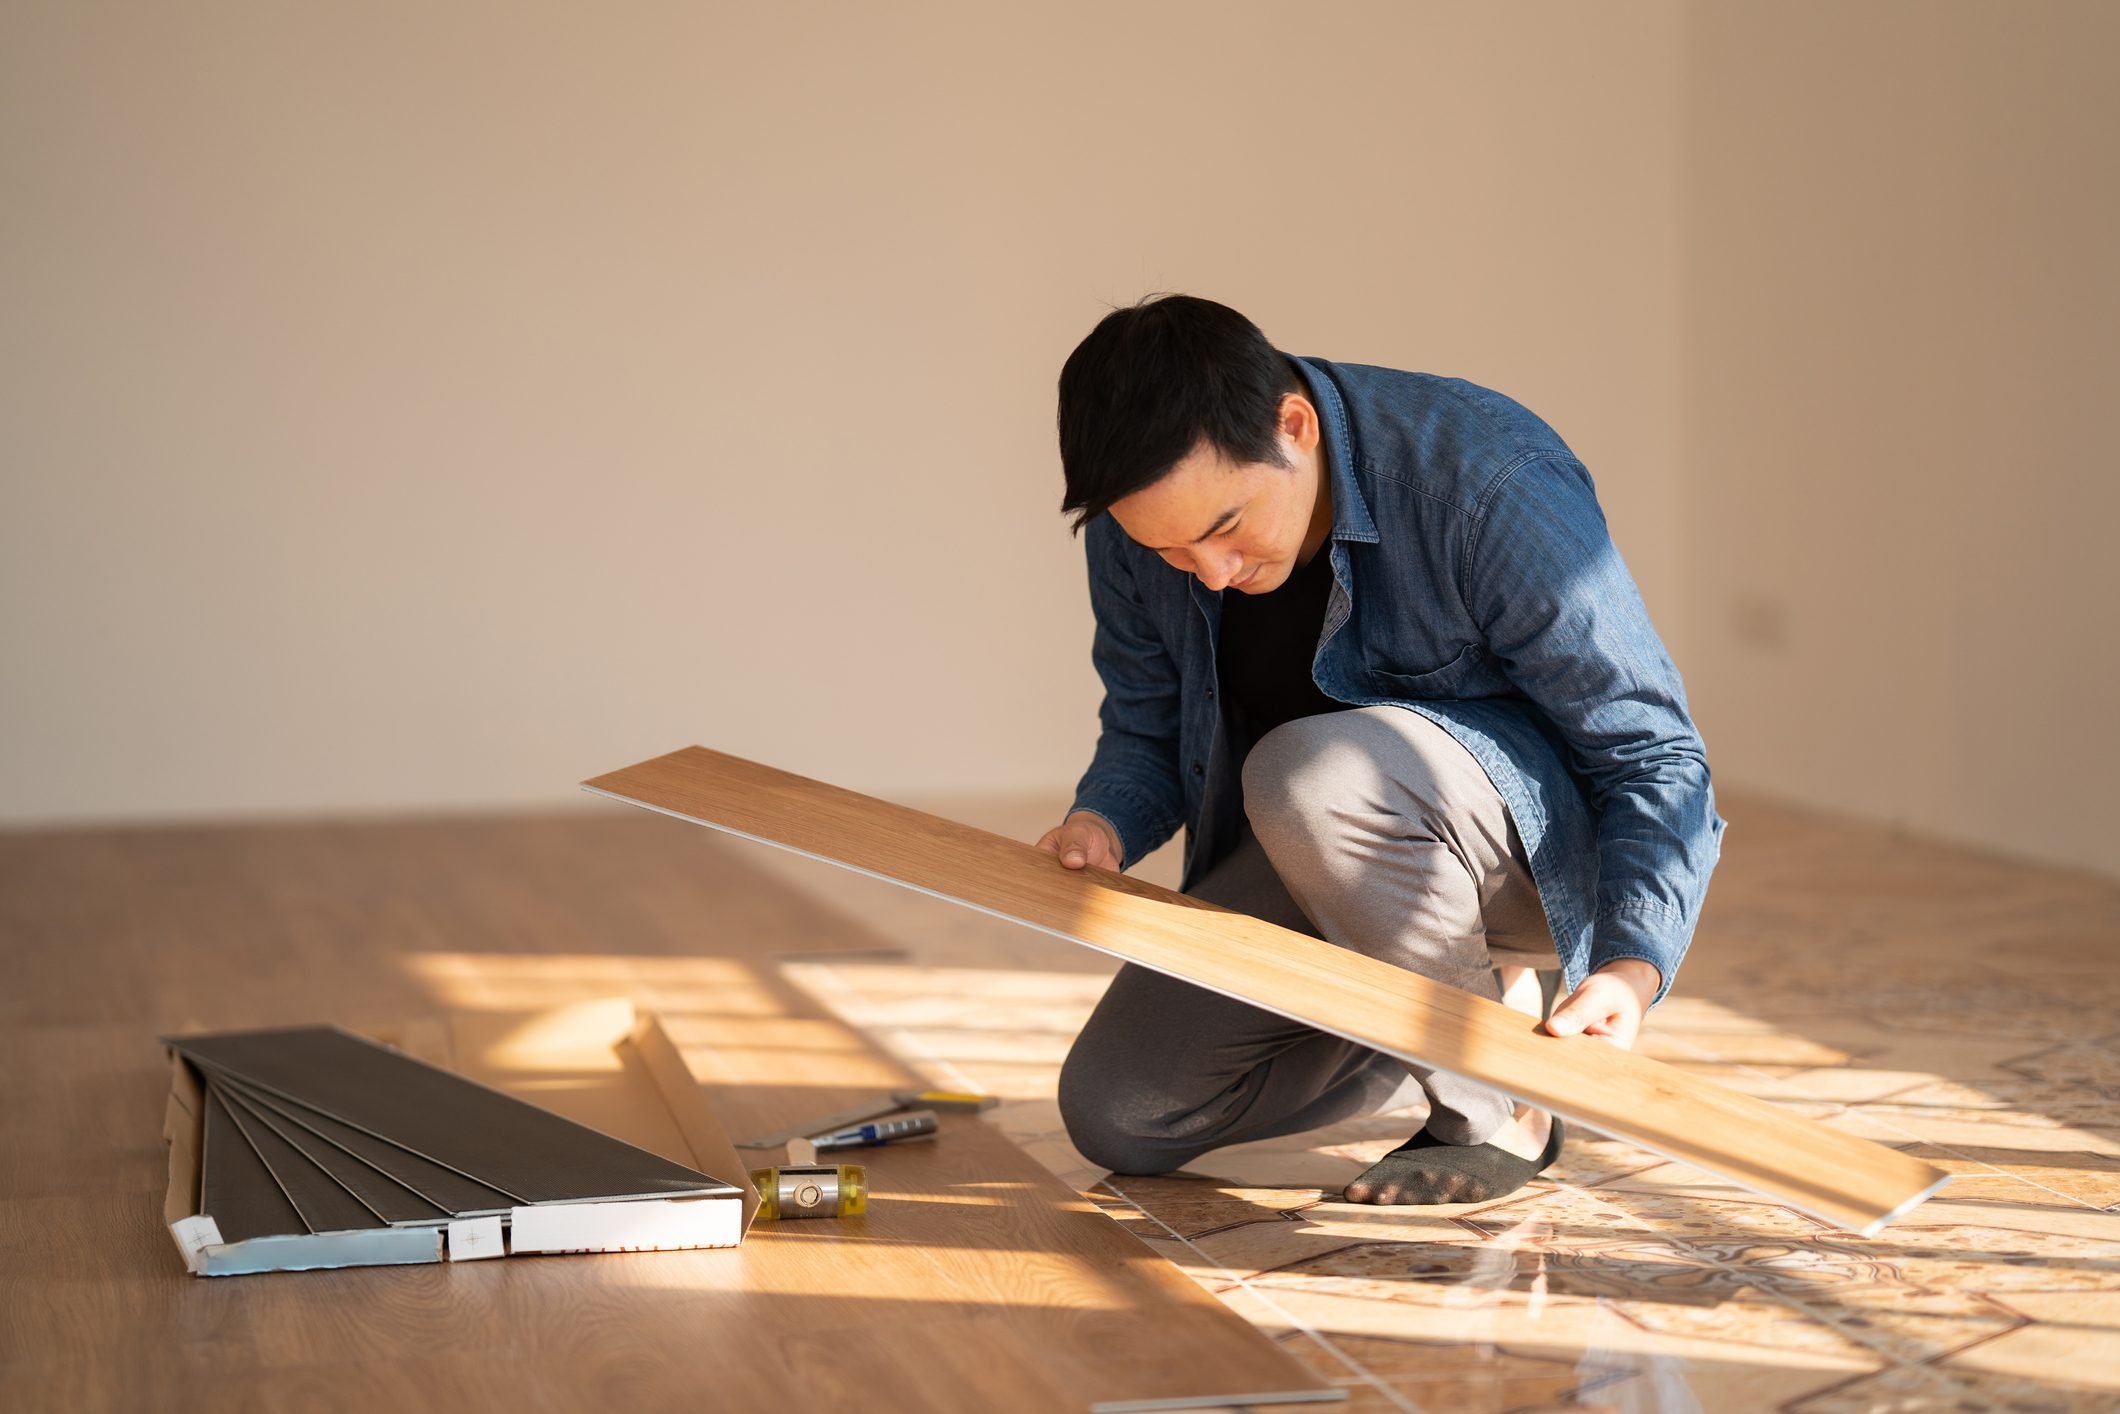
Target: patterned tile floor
(1951,1003)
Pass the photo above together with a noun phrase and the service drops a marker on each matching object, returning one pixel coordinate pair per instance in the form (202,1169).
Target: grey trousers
(1373,829)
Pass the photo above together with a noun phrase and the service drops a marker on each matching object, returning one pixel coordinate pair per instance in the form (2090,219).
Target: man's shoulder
(1447,438)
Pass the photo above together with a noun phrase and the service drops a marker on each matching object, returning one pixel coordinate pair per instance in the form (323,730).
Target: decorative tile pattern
(1951,1004)
(1912,1388)
(1194,1207)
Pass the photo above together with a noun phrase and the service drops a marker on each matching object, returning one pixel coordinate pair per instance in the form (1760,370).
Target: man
(1364,635)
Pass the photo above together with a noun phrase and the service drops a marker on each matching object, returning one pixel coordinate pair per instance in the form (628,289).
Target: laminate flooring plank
(1854,1183)
(530,1153)
(236,1189)
(977,1280)
(326,1205)
(436,1192)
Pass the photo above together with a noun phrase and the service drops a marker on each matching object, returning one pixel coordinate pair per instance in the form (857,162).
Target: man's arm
(1563,617)
(1132,783)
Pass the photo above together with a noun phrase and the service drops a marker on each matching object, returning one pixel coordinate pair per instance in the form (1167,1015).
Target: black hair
(1150,382)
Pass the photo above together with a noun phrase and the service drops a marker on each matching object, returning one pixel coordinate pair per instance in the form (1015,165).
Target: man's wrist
(1641,975)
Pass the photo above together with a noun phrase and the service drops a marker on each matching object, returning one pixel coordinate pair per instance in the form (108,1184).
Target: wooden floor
(979,1281)
(1956,1005)
(1953,1004)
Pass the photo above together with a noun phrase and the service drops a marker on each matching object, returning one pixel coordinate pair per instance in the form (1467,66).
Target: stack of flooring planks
(318,1148)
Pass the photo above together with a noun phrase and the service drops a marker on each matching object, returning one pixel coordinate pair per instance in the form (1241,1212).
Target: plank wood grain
(1853,1183)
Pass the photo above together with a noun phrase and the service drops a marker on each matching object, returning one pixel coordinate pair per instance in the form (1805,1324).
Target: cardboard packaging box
(599,1063)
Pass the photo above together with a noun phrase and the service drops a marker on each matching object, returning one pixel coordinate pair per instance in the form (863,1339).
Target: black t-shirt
(1267,643)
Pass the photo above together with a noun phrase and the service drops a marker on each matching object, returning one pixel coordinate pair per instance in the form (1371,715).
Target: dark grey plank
(481,1133)
(236,1190)
(384,1194)
(326,1205)
(430,1193)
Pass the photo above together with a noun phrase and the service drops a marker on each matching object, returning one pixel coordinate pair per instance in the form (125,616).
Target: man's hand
(1610,1003)
(1083,838)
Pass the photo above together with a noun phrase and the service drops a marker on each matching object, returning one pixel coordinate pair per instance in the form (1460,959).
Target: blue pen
(882,1131)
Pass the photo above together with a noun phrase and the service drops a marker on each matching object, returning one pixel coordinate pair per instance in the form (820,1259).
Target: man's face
(1235,526)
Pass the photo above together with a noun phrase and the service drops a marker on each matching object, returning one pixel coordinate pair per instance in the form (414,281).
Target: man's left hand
(1610,1003)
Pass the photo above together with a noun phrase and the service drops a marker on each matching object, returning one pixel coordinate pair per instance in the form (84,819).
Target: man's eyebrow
(1221,521)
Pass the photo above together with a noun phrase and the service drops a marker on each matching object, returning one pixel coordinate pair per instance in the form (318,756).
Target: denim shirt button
(1198,769)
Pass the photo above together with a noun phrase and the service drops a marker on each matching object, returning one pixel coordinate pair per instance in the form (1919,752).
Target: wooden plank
(388,1198)
(437,1192)
(237,1190)
(1854,1183)
(530,1154)
(326,1205)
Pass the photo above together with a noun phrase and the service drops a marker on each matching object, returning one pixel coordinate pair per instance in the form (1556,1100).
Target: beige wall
(428,408)
(1902,353)
(432,404)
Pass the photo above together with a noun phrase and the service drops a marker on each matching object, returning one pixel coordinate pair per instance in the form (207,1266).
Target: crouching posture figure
(1364,635)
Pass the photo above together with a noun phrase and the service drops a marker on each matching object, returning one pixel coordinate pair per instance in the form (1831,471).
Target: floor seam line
(1367,1375)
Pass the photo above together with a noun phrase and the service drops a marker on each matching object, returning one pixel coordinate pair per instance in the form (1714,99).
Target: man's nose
(1217,573)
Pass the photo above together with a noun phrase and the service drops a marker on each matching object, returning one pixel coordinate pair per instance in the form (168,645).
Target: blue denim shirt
(1474,582)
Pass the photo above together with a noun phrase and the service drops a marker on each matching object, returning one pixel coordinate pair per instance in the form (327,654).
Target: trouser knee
(1281,778)
(1106,1122)
(1313,787)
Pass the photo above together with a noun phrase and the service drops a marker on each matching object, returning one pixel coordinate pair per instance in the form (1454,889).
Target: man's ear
(1299,421)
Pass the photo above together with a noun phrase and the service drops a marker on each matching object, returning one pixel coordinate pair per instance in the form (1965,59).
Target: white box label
(473,1238)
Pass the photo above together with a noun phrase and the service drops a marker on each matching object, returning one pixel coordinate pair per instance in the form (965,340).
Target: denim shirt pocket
(1437,684)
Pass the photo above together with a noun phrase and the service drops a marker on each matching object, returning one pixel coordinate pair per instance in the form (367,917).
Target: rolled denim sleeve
(1132,781)
(1561,613)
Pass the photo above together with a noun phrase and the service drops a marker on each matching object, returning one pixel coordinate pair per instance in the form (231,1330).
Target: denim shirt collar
(1350,511)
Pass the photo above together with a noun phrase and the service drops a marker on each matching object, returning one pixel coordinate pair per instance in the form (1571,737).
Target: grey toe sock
(1426,1170)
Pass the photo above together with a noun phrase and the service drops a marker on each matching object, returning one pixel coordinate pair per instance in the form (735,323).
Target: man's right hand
(1082,839)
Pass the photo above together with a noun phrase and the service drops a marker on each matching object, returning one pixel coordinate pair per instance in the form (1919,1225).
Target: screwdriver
(870,1109)
(882,1131)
